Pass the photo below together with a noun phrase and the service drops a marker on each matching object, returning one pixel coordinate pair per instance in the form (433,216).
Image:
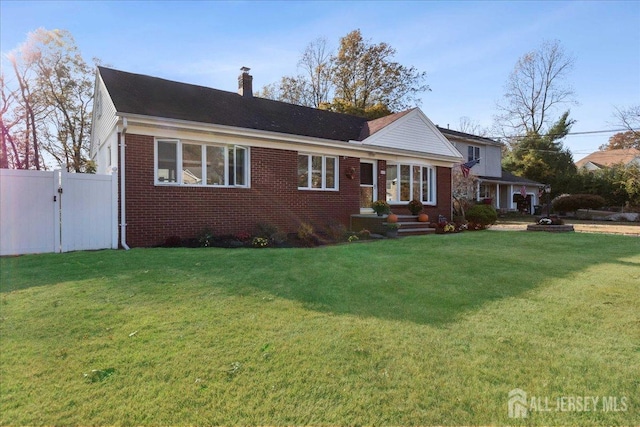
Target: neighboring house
(494,185)
(604,159)
(190,157)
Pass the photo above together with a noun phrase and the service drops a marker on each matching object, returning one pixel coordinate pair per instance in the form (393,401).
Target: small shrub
(266,230)
(415,207)
(279,238)
(305,232)
(481,216)
(337,232)
(573,202)
(243,236)
(173,242)
(364,234)
(205,238)
(260,242)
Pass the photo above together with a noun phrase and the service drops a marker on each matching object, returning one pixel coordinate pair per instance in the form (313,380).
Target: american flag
(466,167)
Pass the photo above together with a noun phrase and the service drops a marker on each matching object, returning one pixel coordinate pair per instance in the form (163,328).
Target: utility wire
(588,132)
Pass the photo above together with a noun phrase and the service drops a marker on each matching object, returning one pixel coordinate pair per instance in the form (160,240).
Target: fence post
(60,176)
(114,210)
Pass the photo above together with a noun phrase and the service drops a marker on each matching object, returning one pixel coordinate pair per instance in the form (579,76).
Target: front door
(368,185)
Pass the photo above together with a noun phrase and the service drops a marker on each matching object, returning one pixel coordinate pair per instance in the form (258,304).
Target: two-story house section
(494,185)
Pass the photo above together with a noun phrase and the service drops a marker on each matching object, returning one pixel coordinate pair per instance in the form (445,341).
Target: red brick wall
(157,212)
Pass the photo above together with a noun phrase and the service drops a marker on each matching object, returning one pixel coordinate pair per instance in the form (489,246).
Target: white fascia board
(472,141)
(92,144)
(499,181)
(204,132)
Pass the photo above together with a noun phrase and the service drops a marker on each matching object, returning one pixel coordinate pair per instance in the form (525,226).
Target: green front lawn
(414,331)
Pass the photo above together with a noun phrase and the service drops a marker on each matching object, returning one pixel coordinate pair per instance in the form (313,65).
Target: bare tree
(360,79)
(27,112)
(629,118)
(10,155)
(54,94)
(467,125)
(535,89)
(316,65)
(312,86)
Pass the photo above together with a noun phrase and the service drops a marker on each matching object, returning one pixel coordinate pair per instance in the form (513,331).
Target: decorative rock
(551,228)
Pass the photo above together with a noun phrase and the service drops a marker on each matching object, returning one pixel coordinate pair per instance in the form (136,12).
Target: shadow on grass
(427,280)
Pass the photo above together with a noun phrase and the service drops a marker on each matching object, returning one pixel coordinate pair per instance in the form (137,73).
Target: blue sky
(467,48)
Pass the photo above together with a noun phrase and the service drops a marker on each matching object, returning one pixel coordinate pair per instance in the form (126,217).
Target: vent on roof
(245,83)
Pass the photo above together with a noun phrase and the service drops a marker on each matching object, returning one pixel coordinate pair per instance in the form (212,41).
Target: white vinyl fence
(43,211)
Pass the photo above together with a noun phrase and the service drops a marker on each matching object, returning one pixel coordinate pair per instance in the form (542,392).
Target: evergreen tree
(542,157)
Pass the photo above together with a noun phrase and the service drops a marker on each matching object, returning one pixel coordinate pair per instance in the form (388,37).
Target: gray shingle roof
(469,136)
(508,177)
(156,97)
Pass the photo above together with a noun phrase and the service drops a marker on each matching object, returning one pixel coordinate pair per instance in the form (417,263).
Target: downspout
(123,210)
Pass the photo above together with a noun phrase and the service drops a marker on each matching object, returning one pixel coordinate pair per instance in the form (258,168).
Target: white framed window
(317,172)
(406,182)
(473,153)
(193,164)
(484,191)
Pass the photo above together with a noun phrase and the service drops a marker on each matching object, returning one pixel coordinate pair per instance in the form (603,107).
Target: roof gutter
(123,209)
(210,129)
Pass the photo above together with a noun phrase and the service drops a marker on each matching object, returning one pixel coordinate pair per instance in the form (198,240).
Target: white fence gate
(43,211)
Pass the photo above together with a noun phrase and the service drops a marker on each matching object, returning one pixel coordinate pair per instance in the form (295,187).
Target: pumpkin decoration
(392,218)
(423,217)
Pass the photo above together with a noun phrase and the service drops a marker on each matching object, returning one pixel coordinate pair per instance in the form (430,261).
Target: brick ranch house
(191,157)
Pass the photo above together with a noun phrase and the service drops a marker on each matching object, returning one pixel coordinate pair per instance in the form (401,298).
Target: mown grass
(415,331)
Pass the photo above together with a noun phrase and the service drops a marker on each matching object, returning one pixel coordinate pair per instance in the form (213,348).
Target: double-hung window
(473,153)
(185,163)
(406,182)
(317,172)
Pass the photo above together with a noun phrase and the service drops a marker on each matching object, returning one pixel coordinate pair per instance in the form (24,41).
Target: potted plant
(415,207)
(392,229)
(380,207)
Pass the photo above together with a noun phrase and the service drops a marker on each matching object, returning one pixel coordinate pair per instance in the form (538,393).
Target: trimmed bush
(573,202)
(481,216)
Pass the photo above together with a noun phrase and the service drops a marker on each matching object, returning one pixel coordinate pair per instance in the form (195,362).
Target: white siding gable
(413,132)
(103,148)
(490,158)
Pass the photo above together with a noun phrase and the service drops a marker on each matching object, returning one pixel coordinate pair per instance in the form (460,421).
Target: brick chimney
(245,83)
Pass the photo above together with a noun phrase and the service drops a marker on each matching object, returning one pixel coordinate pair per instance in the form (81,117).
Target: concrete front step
(415,231)
(412,224)
(413,228)
(377,224)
